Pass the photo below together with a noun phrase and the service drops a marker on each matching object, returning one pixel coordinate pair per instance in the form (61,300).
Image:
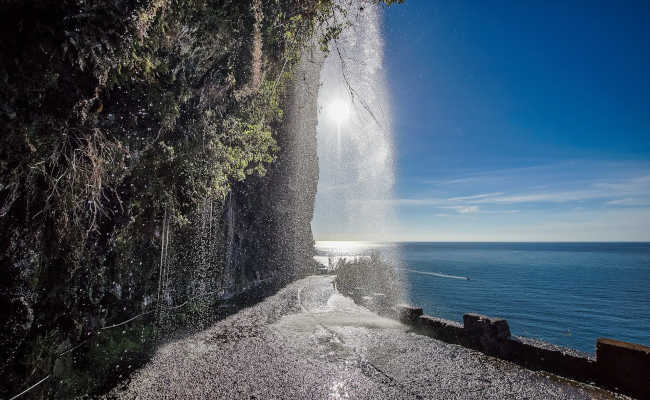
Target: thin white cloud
(633,191)
(452,181)
(636,191)
(500,175)
(633,185)
(463,209)
(417,201)
(630,202)
(500,198)
(544,197)
(474,197)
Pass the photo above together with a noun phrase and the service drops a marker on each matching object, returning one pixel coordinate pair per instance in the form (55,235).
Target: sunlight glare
(339,110)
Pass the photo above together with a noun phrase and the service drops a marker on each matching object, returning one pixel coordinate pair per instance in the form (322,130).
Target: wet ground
(310,342)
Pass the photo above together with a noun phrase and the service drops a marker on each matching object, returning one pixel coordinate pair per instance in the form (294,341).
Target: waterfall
(354,134)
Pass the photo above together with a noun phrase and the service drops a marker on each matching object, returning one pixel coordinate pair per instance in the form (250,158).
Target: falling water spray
(355,150)
(354,135)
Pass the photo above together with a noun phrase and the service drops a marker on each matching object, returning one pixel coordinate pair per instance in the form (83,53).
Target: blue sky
(520,120)
(510,121)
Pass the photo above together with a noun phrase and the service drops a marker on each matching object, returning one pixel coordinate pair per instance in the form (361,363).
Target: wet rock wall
(268,219)
(129,209)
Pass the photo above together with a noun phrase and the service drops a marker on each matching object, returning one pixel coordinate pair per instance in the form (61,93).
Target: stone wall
(619,366)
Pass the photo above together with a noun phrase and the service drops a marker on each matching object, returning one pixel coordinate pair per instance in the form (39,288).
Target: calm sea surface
(564,293)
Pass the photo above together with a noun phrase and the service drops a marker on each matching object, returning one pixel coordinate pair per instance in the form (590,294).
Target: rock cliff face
(158,168)
(269,219)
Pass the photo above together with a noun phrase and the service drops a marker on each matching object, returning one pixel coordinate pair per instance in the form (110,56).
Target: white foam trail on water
(438,274)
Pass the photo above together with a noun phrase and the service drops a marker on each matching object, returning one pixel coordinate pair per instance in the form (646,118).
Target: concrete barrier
(408,315)
(623,367)
(442,329)
(537,355)
(488,335)
(620,366)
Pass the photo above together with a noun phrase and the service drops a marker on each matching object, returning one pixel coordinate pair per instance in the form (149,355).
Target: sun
(338,110)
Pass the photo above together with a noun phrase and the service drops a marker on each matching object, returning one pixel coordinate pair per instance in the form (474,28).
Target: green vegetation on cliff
(122,120)
(371,281)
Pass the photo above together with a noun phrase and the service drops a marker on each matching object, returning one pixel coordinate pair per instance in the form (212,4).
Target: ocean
(563,293)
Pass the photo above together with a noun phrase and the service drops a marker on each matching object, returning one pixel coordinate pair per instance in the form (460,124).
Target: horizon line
(488,241)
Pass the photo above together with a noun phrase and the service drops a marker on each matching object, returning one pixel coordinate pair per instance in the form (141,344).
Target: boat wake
(438,274)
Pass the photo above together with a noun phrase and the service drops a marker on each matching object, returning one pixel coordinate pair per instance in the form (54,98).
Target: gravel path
(310,342)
